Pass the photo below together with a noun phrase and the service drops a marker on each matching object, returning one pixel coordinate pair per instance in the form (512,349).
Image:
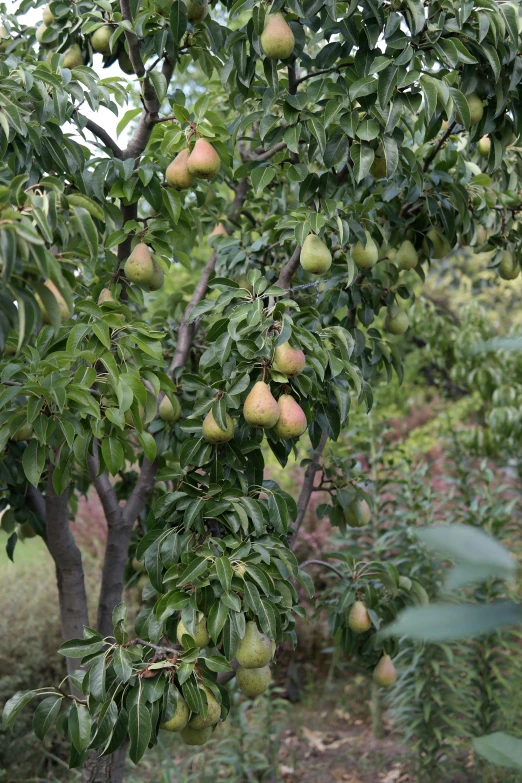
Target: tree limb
(141,493)
(324,70)
(325,565)
(68,563)
(269,153)
(289,269)
(104,137)
(307,488)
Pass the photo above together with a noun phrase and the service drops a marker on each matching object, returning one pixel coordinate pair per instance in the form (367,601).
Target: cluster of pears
(73,55)
(261,410)
(254,653)
(277,38)
(142,269)
(359,621)
(101,43)
(201,163)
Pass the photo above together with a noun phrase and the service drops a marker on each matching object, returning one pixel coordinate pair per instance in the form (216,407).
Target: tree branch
(35,501)
(438,145)
(69,569)
(104,137)
(141,493)
(289,269)
(324,70)
(269,153)
(325,565)
(307,488)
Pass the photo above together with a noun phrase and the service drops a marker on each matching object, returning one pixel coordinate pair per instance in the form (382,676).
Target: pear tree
(306,163)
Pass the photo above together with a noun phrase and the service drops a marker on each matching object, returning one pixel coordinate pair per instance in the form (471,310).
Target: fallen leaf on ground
(314,739)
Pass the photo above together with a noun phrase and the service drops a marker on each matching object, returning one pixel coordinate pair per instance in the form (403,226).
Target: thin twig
(324,564)
(438,145)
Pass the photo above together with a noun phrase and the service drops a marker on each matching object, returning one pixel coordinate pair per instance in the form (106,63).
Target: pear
(213,433)
(244,282)
(200,635)
(100,40)
(4,38)
(287,360)
(39,35)
(158,277)
(476,108)
(508,268)
(396,321)
(105,296)
(378,168)
(139,267)
(277,39)
(359,619)
(193,736)
(203,161)
(213,713)
(73,57)
(168,410)
(219,230)
(180,718)
(484,146)
(24,432)
(358,514)
(365,256)
(27,530)
(65,313)
(253,682)
(292,420)
(47,16)
(385,672)
(177,175)
(441,246)
(481,235)
(261,408)
(407,257)
(196,10)
(255,649)
(124,61)
(315,256)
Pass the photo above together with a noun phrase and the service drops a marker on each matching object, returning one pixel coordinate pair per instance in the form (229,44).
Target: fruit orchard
(311,161)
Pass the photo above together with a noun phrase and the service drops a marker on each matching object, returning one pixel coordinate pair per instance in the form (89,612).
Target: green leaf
(449,622)
(262,176)
(15,705)
(33,461)
(45,715)
(224,572)
(362,156)
(160,84)
(88,231)
(78,648)
(500,749)
(79,726)
(193,570)
(113,455)
(253,509)
(140,729)
(217,617)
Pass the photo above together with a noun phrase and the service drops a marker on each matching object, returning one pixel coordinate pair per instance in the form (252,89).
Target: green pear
(481,235)
(359,619)
(315,256)
(24,432)
(441,246)
(213,433)
(100,40)
(277,39)
(255,649)
(358,514)
(292,420)
(27,530)
(200,634)
(407,257)
(65,313)
(405,582)
(287,360)
(196,10)
(158,277)
(124,61)
(203,161)
(484,146)
(73,57)
(4,38)
(180,718)
(261,408)
(253,682)
(385,672)
(40,33)
(47,16)
(476,108)
(105,296)
(396,321)
(508,268)
(139,267)
(213,714)
(169,409)
(193,736)
(178,175)
(244,282)
(365,256)
(378,168)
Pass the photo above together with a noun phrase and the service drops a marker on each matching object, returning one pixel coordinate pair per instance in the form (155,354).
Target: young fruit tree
(306,162)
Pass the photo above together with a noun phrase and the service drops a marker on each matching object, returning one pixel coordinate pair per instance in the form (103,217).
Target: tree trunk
(105,769)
